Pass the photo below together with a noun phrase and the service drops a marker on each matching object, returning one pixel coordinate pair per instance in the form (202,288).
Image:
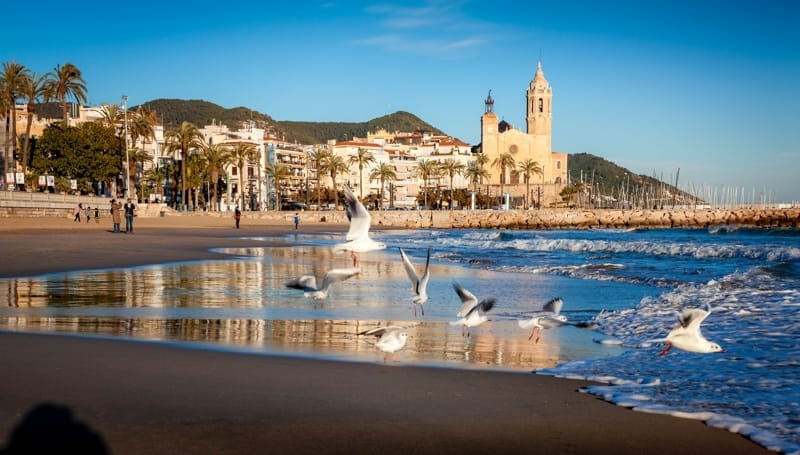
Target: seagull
(549,317)
(419,284)
(472,312)
(358,240)
(390,339)
(687,335)
(308,283)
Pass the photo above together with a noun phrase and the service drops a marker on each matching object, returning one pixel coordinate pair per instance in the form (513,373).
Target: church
(502,139)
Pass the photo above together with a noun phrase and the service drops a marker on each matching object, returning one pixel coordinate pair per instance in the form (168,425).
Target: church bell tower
(540,105)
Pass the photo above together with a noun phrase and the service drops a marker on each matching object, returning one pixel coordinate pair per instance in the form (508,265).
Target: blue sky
(710,87)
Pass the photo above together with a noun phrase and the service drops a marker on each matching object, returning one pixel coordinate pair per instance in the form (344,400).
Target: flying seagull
(308,283)
(419,284)
(358,239)
(687,335)
(472,312)
(549,317)
(390,339)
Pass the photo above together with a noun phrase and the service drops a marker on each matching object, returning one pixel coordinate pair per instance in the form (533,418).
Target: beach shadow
(51,428)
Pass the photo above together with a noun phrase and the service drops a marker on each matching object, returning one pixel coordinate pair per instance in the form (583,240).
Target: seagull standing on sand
(308,283)
(390,339)
(549,317)
(419,284)
(358,240)
(472,312)
(687,335)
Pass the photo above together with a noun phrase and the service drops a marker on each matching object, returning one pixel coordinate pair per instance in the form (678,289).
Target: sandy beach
(120,396)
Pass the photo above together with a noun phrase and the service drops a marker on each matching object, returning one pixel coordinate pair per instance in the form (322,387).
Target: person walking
(77,213)
(130,208)
(88,214)
(296,220)
(116,217)
(237,215)
(97,215)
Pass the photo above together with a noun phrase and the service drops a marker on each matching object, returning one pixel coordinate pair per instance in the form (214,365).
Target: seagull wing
(303,283)
(410,271)
(483,307)
(554,306)
(336,275)
(426,275)
(468,300)
(358,215)
(379,332)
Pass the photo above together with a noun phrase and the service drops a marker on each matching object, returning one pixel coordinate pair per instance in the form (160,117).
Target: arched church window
(541,105)
(558,164)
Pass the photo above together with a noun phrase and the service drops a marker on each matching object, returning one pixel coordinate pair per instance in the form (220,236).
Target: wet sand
(141,397)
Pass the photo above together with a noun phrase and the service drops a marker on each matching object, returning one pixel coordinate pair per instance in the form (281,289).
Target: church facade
(499,140)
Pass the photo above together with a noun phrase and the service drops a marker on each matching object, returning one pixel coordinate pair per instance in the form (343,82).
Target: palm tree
(425,170)
(363,157)
(183,140)
(476,173)
(527,168)
(217,158)
(139,126)
(452,168)
(383,172)
(318,157)
(195,169)
(503,162)
(66,81)
(14,77)
(242,153)
(277,172)
(334,165)
(111,115)
(35,90)
(157,175)
(137,158)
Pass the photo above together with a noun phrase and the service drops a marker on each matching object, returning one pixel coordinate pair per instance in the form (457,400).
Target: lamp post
(127,158)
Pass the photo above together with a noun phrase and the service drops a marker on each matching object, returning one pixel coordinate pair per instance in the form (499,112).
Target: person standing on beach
(88,214)
(116,218)
(237,215)
(129,207)
(97,215)
(77,213)
(296,220)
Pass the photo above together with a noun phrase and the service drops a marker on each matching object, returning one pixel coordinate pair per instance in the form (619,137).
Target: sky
(706,91)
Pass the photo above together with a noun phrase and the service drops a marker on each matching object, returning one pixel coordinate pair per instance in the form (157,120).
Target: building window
(558,164)
(234,171)
(541,105)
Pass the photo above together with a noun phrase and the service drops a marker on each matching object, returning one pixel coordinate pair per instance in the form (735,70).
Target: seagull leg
(538,334)
(533,330)
(415,309)
(666,349)
(422,309)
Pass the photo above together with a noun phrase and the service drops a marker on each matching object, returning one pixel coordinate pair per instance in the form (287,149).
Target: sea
(622,290)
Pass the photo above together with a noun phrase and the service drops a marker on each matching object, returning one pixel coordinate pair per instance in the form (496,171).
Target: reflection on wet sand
(242,304)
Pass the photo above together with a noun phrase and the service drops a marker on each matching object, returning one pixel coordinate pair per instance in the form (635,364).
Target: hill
(174,111)
(609,179)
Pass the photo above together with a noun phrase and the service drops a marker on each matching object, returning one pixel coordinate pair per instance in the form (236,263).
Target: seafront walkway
(23,204)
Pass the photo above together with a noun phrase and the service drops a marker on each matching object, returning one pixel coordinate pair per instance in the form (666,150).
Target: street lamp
(127,158)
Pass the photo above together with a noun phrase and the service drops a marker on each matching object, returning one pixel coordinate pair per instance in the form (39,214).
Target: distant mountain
(609,179)
(174,111)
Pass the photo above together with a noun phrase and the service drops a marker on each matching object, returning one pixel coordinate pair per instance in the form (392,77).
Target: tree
(89,153)
(476,173)
(503,162)
(242,153)
(195,171)
(452,168)
(363,157)
(136,159)
(111,115)
(425,170)
(14,77)
(157,175)
(34,90)
(277,172)
(317,157)
(384,172)
(217,158)
(64,82)
(334,165)
(527,168)
(183,140)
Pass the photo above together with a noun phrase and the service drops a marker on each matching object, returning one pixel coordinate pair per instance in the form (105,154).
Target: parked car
(294,206)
